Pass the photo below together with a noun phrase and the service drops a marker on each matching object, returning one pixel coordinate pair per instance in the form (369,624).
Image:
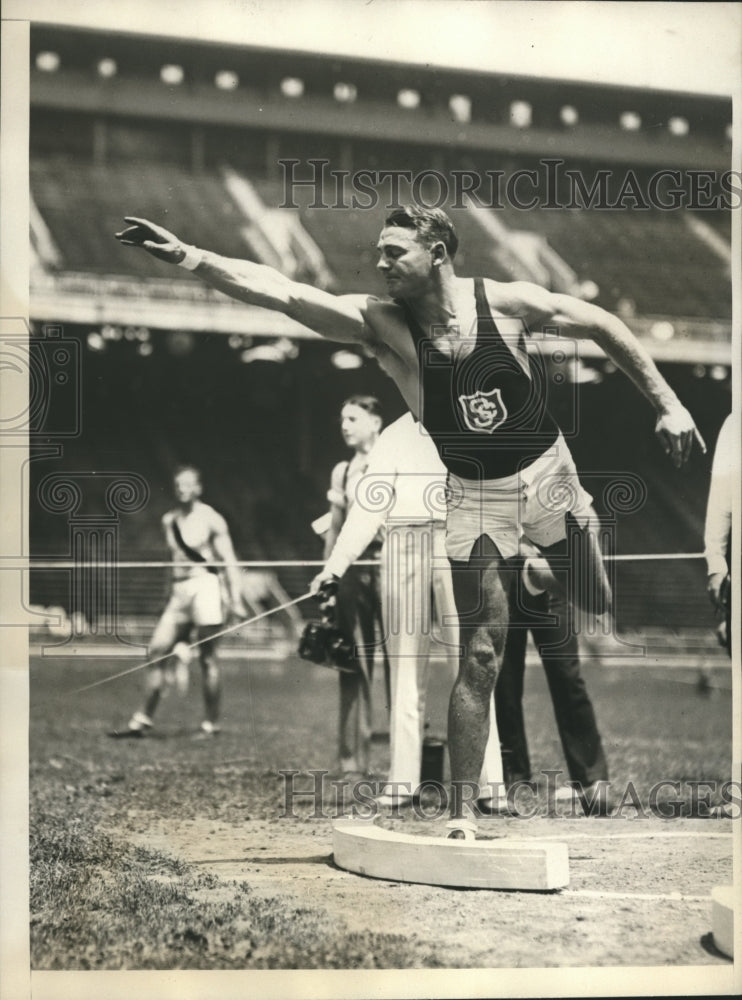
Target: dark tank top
(486,415)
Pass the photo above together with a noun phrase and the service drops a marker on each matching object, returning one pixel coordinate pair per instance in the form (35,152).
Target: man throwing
(456,348)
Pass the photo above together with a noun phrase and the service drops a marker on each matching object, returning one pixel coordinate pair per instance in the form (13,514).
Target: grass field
(170,853)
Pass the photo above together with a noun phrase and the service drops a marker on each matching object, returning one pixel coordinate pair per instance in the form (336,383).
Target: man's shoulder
(207,514)
(512,298)
(397,431)
(383,312)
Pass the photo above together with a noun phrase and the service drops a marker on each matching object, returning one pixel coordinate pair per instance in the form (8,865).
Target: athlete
(195,534)
(456,349)
(358,607)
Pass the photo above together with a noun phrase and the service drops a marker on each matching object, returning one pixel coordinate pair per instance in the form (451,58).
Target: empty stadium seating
(648,258)
(84,205)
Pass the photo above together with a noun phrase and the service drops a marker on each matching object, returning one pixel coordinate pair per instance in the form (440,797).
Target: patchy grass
(99,904)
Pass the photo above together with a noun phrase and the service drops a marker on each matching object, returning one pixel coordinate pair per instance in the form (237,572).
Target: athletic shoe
(138,726)
(461,829)
(207,731)
(393,801)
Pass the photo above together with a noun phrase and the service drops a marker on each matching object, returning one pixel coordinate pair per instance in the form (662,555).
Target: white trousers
(414,565)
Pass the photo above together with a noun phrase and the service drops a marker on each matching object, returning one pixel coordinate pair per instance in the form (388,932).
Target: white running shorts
(196,600)
(531,503)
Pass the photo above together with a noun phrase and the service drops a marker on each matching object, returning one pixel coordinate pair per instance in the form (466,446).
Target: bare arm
(222,544)
(337,317)
(574,318)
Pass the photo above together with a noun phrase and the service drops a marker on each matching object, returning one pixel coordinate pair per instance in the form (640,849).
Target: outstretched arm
(337,317)
(574,318)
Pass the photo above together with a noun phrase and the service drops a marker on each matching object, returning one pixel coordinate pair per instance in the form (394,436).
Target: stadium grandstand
(223,144)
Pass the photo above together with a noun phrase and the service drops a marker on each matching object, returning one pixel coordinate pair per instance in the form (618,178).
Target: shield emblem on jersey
(483,411)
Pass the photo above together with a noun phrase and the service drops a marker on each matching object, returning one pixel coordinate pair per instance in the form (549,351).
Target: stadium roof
(394,71)
(691,47)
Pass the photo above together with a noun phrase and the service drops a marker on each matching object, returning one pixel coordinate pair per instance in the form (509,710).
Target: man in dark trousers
(548,619)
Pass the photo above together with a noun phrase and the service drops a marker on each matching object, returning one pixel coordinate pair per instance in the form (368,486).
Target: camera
(323,642)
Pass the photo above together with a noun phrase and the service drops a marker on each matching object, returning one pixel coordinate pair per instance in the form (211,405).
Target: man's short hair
(368,403)
(431,224)
(188,468)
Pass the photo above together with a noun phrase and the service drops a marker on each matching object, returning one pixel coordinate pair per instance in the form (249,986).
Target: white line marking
(673,897)
(637,836)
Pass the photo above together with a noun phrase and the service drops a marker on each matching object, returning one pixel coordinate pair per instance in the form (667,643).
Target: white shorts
(530,503)
(197,600)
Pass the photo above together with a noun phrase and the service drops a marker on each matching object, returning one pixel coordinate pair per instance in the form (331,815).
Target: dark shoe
(498,806)
(596,799)
(127,734)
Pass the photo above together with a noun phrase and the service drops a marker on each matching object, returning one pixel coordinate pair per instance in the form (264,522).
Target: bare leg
(481,602)
(166,634)
(210,675)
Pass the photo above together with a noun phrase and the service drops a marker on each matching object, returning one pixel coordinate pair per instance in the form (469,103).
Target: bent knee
(481,661)
(155,678)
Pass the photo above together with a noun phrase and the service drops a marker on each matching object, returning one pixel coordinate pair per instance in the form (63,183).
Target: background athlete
(195,533)
(358,602)
(456,350)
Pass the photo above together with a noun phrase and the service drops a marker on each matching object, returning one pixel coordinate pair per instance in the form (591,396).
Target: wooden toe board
(361,846)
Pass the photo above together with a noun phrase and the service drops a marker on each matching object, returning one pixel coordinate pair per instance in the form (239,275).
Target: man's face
(405,263)
(358,426)
(187,487)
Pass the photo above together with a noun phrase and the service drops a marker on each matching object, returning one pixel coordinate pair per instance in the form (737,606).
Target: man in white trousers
(717,533)
(403,489)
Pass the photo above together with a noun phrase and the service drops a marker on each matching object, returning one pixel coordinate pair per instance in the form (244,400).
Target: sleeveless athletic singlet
(485,413)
